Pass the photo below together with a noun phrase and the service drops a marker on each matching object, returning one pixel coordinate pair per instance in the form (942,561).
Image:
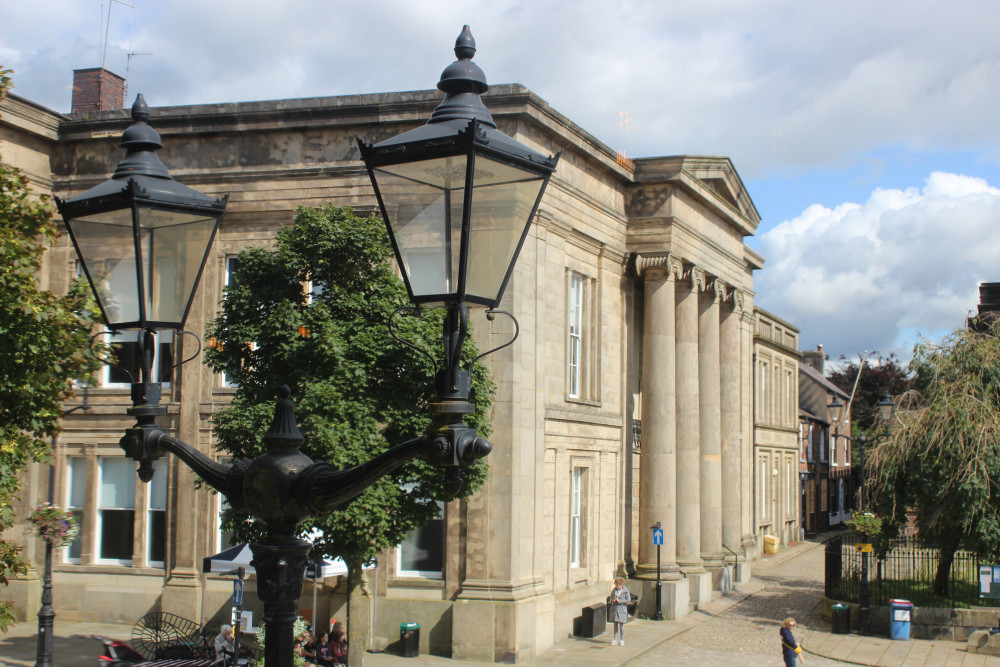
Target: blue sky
(864,131)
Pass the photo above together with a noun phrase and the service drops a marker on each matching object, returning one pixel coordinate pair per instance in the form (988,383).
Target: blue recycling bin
(900,614)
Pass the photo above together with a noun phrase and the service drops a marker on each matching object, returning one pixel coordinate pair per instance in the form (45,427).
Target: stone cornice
(579,195)
(754,259)
(30,117)
(581,417)
(776,347)
(657,226)
(494,590)
(74,182)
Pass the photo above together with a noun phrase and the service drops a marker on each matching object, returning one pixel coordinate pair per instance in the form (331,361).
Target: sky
(865,132)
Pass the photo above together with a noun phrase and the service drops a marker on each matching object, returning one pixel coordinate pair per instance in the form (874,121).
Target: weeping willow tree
(942,457)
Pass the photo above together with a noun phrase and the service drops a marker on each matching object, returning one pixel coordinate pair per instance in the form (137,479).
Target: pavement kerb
(699,615)
(644,635)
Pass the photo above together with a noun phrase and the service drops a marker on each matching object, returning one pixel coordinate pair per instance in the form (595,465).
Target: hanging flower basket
(865,524)
(53,524)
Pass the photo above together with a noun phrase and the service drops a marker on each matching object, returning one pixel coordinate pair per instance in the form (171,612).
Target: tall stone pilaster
(710,426)
(729,355)
(688,439)
(658,472)
(745,307)
(182,591)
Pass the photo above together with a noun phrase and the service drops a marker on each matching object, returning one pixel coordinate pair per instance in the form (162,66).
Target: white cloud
(775,84)
(865,276)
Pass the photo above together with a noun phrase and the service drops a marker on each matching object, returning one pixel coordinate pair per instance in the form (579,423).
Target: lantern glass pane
(502,203)
(423,201)
(107,249)
(173,246)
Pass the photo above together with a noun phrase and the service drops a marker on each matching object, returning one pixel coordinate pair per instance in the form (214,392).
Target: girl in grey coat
(619,600)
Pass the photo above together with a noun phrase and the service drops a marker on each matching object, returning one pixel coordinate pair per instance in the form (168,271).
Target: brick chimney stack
(97,89)
(815,358)
(989,308)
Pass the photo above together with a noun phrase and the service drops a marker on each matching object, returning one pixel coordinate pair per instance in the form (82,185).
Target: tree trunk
(357,612)
(943,575)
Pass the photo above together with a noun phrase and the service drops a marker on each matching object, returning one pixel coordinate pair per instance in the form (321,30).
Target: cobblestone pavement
(738,630)
(746,633)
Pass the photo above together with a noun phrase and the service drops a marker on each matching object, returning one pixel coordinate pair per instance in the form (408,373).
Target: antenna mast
(128,67)
(107,27)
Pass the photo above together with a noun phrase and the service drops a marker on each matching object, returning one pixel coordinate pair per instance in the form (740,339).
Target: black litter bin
(841,619)
(409,637)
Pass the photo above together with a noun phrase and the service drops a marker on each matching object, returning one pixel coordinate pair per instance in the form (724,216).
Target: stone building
(826,448)
(777,489)
(634,293)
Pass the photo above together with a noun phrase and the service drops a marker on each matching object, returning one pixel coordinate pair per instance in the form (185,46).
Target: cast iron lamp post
(457,196)
(47,615)
(456,240)
(885,407)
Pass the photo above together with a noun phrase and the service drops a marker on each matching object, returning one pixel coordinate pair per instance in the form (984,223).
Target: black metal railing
(906,571)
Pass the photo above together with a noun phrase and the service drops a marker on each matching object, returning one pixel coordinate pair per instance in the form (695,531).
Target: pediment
(713,179)
(717,175)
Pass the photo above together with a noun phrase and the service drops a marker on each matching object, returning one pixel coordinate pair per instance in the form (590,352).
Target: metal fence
(907,571)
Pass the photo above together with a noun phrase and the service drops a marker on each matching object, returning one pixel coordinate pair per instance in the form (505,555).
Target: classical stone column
(745,307)
(658,472)
(729,355)
(688,439)
(710,427)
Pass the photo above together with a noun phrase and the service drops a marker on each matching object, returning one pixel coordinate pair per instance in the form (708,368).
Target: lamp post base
(865,603)
(46,616)
(280,565)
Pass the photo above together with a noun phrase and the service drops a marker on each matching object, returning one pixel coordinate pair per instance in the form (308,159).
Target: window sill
(583,401)
(416,581)
(107,568)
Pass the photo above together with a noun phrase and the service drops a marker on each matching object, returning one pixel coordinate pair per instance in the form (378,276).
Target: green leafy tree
(942,459)
(357,390)
(44,337)
(879,375)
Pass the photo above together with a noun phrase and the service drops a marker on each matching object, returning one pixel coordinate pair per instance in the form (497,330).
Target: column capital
(668,265)
(698,279)
(738,300)
(719,289)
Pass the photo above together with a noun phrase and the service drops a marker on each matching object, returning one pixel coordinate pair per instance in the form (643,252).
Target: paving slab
(736,629)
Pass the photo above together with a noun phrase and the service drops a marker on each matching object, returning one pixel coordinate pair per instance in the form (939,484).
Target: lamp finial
(283,432)
(140,110)
(462,82)
(465,45)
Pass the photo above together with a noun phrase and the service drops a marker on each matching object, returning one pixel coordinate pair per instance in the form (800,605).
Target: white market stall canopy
(240,556)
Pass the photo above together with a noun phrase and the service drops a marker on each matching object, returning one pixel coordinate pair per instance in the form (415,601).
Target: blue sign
(658,536)
(237,592)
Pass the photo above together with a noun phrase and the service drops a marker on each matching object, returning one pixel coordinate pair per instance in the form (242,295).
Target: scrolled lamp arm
(323,487)
(146,443)
(217,475)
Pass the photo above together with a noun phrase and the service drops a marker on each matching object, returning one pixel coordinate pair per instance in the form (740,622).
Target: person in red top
(338,647)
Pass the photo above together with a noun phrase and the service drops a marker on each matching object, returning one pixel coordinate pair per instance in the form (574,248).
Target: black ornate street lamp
(456,247)
(886,408)
(141,236)
(46,614)
(836,409)
(457,197)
